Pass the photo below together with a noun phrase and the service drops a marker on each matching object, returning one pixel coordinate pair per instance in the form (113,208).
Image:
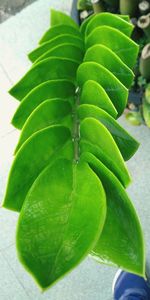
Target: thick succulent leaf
(57,41)
(109,20)
(118,42)
(98,152)
(97,134)
(124,17)
(48,90)
(66,50)
(84,24)
(61,220)
(93,93)
(117,92)
(87,20)
(47,69)
(34,155)
(125,142)
(49,112)
(107,58)
(125,248)
(54,31)
(58,18)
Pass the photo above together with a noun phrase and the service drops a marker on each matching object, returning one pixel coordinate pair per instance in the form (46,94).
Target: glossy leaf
(87,146)
(36,153)
(88,19)
(109,20)
(118,42)
(54,235)
(122,225)
(114,88)
(93,93)
(124,17)
(47,69)
(103,140)
(107,58)
(56,30)
(65,50)
(58,18)
(84,24)
(125,142)
(48,90)
(57,41)
(50,112)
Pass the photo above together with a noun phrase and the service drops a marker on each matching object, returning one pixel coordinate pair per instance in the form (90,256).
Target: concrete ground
(9,8)
(89,281)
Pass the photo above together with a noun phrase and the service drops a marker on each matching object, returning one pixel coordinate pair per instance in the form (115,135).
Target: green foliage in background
(84,4)
(142,116)
(69,176)
(87,4)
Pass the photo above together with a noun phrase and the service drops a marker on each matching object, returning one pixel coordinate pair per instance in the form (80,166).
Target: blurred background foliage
(138,108)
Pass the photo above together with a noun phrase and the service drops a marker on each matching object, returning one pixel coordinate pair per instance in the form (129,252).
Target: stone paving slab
(89,281)
(9,8)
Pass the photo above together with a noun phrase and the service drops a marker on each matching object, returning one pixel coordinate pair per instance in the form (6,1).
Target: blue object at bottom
(134,294)
(131,287)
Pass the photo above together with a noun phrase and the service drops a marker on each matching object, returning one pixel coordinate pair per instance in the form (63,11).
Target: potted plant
(68,179)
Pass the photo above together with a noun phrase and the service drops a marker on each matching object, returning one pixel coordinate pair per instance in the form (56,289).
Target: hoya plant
(68,179)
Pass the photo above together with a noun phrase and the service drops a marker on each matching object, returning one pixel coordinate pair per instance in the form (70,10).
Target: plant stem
(129,7)
(76,129)
(97,6)
(145,62)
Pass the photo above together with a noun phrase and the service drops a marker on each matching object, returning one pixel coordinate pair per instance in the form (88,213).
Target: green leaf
(47,69)
(50,112)
(124,17)
(114,88)
(41,149)
(61,220)
(84,24)
(105,142)
(65,50)
(57,41)
(147,94)
(93,93)
(125,142)
(146,113)
(118,42)
(54,31)
(58,18)
(107,58)
(121,241)
(84,5)
(134,117)
(109,20)
(48,90)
